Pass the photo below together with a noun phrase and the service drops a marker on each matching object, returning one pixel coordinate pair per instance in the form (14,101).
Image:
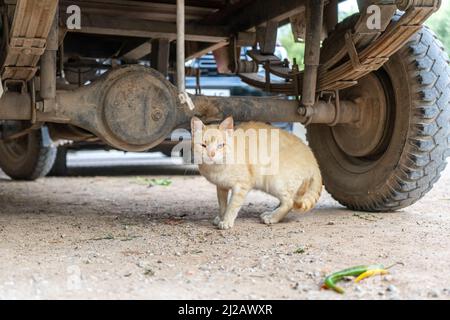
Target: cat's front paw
(225,225)
(267,218)
(216,221)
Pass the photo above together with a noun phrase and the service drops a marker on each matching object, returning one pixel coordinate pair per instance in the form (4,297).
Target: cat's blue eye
(220,146)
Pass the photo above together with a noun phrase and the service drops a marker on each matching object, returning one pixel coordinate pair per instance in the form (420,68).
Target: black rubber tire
(59,168)
(34,162)
(419,139)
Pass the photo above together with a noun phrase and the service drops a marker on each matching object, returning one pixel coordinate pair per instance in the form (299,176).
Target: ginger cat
(296,180)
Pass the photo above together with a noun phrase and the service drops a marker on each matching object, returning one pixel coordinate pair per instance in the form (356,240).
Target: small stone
(358,289)
(143,264)
(330,223)
(392,289)
(387,278)
(149,272)
(433,294)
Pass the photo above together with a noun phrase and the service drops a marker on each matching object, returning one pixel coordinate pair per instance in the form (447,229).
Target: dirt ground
(114,237)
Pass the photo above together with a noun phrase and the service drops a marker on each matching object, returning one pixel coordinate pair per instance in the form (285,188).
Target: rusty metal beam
(16,106)
(181,46)
(265,109)
(213,109)
(314,24)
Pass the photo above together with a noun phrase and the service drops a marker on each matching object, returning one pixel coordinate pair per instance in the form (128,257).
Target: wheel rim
(359,147)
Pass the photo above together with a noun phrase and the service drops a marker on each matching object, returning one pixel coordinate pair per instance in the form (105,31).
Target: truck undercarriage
(374,91)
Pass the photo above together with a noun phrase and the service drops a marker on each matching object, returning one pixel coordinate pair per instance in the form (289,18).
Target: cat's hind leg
(308,193)
(222,197)
(279,213)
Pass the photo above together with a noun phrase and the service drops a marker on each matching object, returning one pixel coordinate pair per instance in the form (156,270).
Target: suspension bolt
(157,115)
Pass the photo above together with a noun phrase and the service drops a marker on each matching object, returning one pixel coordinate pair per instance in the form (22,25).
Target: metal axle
(134,108)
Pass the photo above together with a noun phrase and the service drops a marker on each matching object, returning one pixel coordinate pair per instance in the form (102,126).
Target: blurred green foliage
(439,23)
(294,49)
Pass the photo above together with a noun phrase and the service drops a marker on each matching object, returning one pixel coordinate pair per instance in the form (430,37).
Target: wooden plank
(196,49)
(29,31)
(137,10)
(258,12)
(229,10)
(211,4)
(139,52)
(160,55)
(105,25)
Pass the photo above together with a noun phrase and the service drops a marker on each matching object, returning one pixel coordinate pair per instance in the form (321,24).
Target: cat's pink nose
(212,154)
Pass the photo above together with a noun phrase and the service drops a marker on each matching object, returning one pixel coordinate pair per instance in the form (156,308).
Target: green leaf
(151,182)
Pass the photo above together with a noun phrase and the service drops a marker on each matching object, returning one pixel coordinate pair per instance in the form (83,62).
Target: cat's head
(212,142)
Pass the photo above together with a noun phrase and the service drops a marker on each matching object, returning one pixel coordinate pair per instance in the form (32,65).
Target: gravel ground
(116,238)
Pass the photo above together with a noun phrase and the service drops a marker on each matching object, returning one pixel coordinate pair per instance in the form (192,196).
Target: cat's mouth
(213,160)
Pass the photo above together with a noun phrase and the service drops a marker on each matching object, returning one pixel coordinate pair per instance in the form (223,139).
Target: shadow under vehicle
(373,95)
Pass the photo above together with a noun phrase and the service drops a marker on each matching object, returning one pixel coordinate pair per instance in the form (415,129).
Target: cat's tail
(308,193)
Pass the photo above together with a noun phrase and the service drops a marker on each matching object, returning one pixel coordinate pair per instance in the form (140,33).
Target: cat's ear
(196,124)
(227,124)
